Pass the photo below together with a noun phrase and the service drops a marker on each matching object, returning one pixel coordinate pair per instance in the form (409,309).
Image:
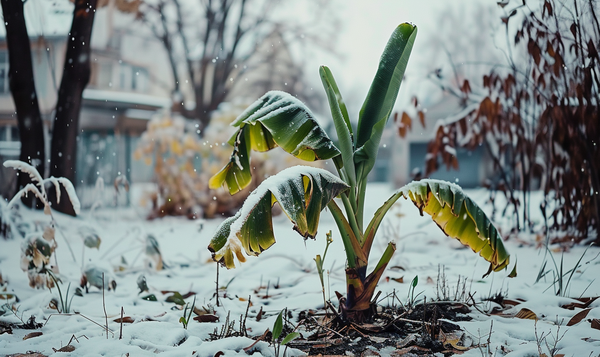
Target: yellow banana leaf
(459,217)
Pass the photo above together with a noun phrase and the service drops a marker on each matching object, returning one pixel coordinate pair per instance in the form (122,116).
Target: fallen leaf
(150,297)
(260,314)
(595,323)
(206,318)
(578,317)
(582,304)
(243,299)
(32,335)
(525,313)
(511,302)
(430,280)
(176,298)
(67,348)
(399,280)
(203,311)
(456,342)
(125,320)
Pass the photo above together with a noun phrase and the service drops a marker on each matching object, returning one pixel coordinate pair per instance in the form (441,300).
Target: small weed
(319,261)
(65,302)
(185,319)
(561,279)
(445,292)
(411,299)
(277,330)
(228,328)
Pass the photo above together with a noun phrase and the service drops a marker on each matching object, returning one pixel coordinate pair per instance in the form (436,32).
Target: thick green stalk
(354,253)
(362,188)
(349,202)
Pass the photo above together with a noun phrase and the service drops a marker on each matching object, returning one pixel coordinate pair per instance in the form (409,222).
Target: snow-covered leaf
(92,240)
(459,217)
(276,119)
(71,193)
(455,213)
(301,191)
(25,167)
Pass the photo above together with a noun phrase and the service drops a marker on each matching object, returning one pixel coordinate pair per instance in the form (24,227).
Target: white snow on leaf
(450,150)
(71,193)
(24,191)
(25,167)
(272,185)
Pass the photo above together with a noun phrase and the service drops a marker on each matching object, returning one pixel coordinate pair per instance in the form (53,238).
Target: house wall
(409,154)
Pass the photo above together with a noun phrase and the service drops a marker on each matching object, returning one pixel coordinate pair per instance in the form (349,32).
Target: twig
(64,237)
(121,328)
(413,321)
(217,286)
(327,328)
(85,317)
(104,306)
(333,309)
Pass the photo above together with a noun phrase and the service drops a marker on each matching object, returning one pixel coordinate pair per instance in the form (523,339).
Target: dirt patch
(421,331)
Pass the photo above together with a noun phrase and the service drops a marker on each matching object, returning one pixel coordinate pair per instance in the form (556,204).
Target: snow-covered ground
(289,272)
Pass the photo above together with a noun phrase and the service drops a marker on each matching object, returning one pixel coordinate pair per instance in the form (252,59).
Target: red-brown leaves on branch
(404,124)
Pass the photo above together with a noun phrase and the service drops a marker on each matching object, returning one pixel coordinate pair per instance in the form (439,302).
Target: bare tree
(209,43)
(22,87)
(76,73)
(537,115)
(75,77)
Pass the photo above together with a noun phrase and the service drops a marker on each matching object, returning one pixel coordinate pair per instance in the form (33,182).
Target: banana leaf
(382,95)
(275,119)
(301,191)
(455,213)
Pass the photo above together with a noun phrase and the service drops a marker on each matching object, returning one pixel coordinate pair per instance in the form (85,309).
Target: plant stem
(351,244)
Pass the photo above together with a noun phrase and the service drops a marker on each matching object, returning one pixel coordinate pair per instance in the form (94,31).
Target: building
(126,88)
(407,155)
(130,82)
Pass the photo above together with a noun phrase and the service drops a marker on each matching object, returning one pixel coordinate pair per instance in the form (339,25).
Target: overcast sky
(367,25)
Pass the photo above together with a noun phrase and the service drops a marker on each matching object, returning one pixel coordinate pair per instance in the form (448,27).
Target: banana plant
(278,119)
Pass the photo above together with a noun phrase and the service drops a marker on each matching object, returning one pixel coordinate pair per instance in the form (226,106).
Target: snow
(421,248)
(126,97)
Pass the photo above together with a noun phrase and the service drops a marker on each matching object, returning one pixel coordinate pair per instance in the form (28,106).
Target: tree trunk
(22,87)
(76,75)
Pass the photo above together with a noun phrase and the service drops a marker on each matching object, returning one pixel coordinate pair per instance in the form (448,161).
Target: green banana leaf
(301,191)
(455,213)
(276,119)
(382,95)
(341,121)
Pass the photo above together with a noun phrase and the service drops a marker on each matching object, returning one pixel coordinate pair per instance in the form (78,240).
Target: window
(103,75)
(139,79)
(133,78)
(4,72)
